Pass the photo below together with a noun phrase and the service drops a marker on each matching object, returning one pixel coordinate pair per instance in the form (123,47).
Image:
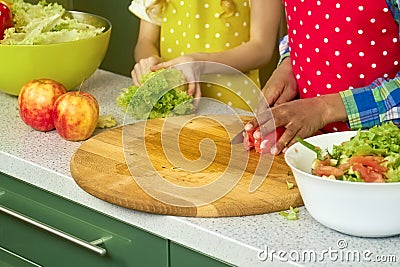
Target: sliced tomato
(326,170)
(368,174)
(373,162)
(248,140)
(268,141)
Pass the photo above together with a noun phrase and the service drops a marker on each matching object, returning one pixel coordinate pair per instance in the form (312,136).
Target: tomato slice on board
(264,144)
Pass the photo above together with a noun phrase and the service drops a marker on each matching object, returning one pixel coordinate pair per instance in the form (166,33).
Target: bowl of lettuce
(48,41)
(359,191)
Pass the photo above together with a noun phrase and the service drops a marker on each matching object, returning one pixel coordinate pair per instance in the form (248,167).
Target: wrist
(333,108)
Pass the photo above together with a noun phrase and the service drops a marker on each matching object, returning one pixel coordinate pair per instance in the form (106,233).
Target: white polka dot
(318,73)
(361,8)
(317,26)
(337,53)
(162,39)
(327,63)
(219,75)
(245,24)
(349,65)
(197,16)
(249,102)
(348,42)
(318,95)
(301,22)
(197,36)
(187,14)
(169,50)
(217,35)
(309,82)
(238,92)
(301,45)
(384,53)
(361,54)
(385,9)
(308,59)
(301,68)
(227,44)
(294,62)
(309,12)
(294,31)
(372,20)
(236,34)
(188,45)
(335,129)
(219,94)
(181,3)
(289,17)
(298,76)
(328,85)
(295,8)
(373,65)
(351,87)
(337,29)
(174,11)
(396,63)
(209,85)
(236,14)
(337,5)
(206,25)
(305,90)
(360,31)
(326,40)
(338,76)
(179,22)
(348,19)
(395,40)
(207,46)
(372,42)
(229,103)
(362,76)
(317,50)
(216,15)
(177,42)
(308,36)
(227,24)
(206,5)
(184,34)
(182,53)
(327,16)
(385,75)
(384,30)
(229,84)
(247,82)
(245,3)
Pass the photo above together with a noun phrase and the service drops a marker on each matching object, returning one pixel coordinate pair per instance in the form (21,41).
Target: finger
(286,139)
(192,88)
(163,65)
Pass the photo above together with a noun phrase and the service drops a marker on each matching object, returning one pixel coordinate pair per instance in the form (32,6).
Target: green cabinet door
(181,256)
(48,230)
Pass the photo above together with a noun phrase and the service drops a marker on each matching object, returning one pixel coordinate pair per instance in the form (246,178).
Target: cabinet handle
(73,239)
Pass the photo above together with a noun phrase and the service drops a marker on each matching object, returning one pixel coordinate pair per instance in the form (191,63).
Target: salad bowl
(353,208)
(69,63)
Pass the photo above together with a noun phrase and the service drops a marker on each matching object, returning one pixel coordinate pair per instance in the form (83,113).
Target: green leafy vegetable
(44,23)
(162,93)
(291,214)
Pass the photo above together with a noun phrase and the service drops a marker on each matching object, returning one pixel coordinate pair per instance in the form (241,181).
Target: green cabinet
(37,227)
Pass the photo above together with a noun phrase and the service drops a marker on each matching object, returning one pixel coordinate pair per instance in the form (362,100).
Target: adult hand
(191,68)
(142,67)
(301,118)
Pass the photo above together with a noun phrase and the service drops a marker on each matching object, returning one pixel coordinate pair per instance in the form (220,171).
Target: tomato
(368,174)
(5,18)
(326,170)
(373,162)
(267,141)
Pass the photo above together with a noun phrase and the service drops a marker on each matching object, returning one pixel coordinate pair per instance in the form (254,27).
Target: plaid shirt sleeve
(284,50)
(374,104)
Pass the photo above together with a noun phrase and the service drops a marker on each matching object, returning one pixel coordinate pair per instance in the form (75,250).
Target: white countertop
(42,159)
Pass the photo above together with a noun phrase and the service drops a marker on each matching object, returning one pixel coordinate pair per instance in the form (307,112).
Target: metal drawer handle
(89,245)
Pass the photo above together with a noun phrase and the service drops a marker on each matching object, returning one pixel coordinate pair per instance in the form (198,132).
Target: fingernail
(284,150)
(257,135)
(274,151)
(264,144)
(248,127)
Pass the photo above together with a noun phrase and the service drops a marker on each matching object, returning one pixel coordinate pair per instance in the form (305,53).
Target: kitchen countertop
(42,159)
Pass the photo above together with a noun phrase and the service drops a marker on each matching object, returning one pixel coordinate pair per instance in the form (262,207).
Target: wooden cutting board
(183,166)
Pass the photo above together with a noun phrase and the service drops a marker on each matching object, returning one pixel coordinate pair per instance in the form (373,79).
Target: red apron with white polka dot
(339,45)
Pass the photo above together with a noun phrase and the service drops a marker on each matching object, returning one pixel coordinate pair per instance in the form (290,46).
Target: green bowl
(69,63)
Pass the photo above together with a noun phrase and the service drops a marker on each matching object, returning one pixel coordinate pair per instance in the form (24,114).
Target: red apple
(76,115)
(36,103)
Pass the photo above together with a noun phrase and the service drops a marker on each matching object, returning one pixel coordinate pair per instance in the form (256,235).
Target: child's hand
(191,68)
(143,67)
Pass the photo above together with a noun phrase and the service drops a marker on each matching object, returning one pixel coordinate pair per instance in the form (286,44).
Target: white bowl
(354,208)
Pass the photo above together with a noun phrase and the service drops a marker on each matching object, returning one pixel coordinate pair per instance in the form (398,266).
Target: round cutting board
(184,166)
